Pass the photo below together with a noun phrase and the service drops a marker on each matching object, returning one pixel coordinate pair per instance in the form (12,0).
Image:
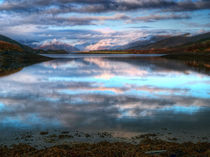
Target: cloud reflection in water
(104,94)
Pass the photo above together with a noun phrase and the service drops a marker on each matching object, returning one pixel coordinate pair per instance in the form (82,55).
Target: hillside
(7,47)
(173,42)
(15,43)
(144,42)
(199,46)
(14,56)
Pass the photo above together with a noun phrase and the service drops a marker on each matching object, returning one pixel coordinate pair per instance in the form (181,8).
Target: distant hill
(173,42)
(176,44)
(56,47)
(144,42)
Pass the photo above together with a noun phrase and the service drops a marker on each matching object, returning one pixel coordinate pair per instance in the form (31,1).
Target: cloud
(66,6)
(37,20)
(42,20)
(79,110)
(152,18)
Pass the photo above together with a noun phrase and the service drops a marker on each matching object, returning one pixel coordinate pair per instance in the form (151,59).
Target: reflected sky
(88,93)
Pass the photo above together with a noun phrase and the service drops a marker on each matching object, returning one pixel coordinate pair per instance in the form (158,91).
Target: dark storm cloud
(95,6)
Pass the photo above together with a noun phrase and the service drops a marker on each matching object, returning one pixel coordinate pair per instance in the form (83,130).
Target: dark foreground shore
(146,148)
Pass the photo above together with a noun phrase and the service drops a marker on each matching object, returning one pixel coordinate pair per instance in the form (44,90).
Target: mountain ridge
(57,46)
(174,41)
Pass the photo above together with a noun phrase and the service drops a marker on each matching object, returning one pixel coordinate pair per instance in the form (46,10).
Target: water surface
(118,94)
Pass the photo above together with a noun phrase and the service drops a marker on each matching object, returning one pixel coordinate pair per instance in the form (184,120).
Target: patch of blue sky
(172,25)
(142,94)
(79,92)
(78,100)
(72,14)
(48,99)
(182,109)
(72,28)
(113,25)
(201,13)
(150,94)
(169,26)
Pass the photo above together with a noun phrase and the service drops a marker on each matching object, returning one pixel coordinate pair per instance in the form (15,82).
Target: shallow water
(124,95)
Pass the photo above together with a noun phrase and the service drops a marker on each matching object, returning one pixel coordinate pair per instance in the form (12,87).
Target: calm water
(119,94)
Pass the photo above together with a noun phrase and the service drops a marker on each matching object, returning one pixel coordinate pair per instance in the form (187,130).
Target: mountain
(173,42)
(168,45)
(55,46)
(143,42)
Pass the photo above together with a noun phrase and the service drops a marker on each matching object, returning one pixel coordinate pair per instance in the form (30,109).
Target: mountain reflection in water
(98,93)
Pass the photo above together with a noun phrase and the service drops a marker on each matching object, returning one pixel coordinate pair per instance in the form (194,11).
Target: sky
(100,24)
